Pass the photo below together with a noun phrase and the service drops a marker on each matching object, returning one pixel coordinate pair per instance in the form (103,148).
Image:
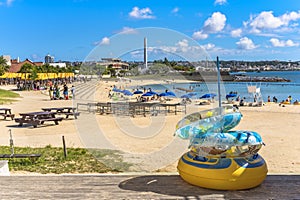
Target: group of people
(55,92)
(275,100)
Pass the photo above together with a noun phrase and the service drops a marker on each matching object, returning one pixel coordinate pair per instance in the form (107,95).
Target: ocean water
(280,90)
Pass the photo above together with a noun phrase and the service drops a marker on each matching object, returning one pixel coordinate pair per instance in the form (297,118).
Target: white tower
(145,53)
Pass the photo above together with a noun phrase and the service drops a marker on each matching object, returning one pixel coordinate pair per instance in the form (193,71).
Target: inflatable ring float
(219,158)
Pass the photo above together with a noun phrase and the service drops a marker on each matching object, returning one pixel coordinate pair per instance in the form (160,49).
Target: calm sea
(280,90)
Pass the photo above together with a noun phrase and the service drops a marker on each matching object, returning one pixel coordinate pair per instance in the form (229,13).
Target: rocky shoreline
(225,76)
(259,79)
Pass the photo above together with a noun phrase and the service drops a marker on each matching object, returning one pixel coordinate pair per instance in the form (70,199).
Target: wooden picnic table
(37,118)
(63,110)
(6,112)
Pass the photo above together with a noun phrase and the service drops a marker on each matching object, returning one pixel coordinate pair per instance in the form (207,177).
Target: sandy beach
(278,126)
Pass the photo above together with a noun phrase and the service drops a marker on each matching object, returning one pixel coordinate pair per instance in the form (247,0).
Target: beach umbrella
(231,95)
(116,90)
(148,94)
(169,93)
(186,96)
(192,94)
(151,92)
(138,92)
(208,96)
(127,93)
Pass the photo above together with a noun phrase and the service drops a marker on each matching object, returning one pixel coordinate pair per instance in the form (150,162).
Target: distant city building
(115,63)
(49,59)
(60,65)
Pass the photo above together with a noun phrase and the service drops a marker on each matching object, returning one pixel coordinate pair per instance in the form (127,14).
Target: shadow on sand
(274,187)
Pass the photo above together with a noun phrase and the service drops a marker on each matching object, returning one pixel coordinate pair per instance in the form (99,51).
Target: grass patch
(6,96)
(79,160)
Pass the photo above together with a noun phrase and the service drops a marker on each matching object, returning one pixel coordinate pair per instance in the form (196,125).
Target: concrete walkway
(137,187)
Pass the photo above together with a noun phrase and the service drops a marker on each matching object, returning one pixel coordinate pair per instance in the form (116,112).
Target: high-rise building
(49,59)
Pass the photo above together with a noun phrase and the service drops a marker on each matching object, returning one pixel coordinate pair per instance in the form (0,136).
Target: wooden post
(11,143)
(64,146)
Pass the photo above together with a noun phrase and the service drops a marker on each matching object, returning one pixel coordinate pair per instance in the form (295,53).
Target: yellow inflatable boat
(222,173)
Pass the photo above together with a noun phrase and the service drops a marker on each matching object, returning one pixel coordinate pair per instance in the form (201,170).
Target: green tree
(26,68)
(33,75)
(3,66)
(112,70)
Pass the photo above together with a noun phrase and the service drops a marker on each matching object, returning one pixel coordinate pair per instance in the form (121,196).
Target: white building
(60,65)
(8,59)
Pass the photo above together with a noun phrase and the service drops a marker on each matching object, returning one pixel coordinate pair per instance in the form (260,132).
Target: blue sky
(72,29)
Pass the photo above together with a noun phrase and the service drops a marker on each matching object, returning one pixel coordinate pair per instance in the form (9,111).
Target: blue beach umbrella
(148,94)
(170,93)
(151,92)
(138,92)
(167,94)
(231,95)
(127,93)
(192,94)
(208,96)
(186,96)
(116,90)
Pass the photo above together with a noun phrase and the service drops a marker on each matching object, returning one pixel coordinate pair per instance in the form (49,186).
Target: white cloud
(292,16)
(266,20)
(236,32)
(208,46)
(199,35)
(128,30)
(281,43)
(246,43)
(7,3)
(143,13)
(175,10)
(215,23)
(183,45)
(104,41)
(220,2)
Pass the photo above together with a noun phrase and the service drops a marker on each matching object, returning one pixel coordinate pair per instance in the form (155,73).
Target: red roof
(15,66)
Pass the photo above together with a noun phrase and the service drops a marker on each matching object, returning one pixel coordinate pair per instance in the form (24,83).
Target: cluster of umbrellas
(169,94)
(195,94)
(146,94)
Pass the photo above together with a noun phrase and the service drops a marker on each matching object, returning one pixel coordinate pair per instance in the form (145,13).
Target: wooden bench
(6,112)
(37,122)
(75,114)
(5,115)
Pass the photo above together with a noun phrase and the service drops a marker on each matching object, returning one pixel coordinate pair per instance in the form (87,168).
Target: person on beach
(289,99)
(51,92)
(73,92)
(242,103)
(57,92)
(275,99)
(65,92)
(269,99)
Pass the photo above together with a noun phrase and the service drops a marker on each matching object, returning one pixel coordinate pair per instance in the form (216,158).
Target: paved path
(137,187)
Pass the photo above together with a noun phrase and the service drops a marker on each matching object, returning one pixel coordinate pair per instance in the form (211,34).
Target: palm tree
(26,68)
(3,66)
